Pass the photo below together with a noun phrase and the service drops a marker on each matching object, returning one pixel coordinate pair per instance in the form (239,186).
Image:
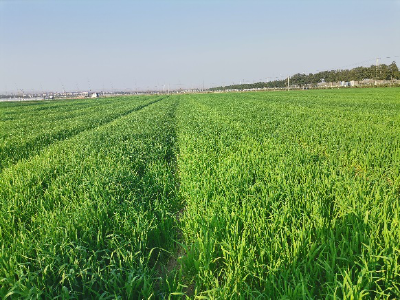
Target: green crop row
(26,129)
(289,196)
(265,195)
(92,215)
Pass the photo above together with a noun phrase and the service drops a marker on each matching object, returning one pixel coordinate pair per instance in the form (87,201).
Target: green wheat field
(268,195)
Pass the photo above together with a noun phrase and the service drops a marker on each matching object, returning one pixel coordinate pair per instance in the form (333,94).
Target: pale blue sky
(48,45)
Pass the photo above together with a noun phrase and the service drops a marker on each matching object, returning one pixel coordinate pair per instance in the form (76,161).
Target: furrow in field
(268,195)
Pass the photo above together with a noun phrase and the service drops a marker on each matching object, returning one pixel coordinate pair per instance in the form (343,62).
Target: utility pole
(376,70)
(64,94)
(288,83)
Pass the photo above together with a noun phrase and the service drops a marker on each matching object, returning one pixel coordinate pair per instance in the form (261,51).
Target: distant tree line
(380,72)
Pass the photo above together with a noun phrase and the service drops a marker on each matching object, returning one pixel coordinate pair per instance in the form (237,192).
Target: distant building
(94,95)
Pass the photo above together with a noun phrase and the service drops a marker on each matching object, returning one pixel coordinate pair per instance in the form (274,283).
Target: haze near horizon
(119,45)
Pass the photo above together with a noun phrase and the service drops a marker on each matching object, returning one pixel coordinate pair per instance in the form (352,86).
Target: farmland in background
(271,195)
